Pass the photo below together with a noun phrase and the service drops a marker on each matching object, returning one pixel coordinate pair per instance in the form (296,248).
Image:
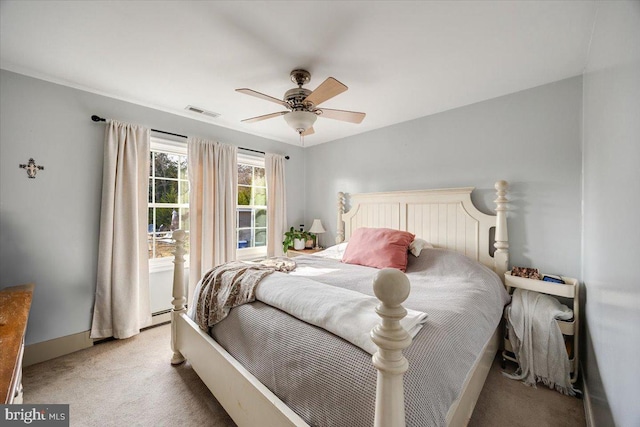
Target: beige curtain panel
(276,203)
(122,305)
(213,193)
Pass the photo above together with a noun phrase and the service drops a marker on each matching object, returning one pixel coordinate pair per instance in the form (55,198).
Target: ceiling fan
(302,104)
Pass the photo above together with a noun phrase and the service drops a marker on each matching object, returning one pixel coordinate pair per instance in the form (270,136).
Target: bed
(440,391)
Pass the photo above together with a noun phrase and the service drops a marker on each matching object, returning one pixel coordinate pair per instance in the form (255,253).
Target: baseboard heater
(158,313)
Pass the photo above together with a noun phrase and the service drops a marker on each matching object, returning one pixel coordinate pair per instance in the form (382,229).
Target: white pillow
(333,252)
(418,245)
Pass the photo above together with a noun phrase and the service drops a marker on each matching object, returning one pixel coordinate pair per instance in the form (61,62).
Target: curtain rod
(101,119)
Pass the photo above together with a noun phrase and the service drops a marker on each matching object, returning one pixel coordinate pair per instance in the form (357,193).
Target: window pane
(261,237)
(167,165)
(244,239)
(164,187)
(184,219)
(259,179)
(175,220)
(186,245)
(183,168)
(166,191)
(150,227)
(151,155)
(244,174)
(150,245)
(244,218)
(260,197)
(164,245)
(261,218)
(163,219)
(184,192)
(244,195)
(252,193)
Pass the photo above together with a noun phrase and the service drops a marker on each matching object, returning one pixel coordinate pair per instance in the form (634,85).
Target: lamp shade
(300,120)
(317,227)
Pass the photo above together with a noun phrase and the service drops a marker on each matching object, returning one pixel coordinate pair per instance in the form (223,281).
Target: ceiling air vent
(202,111)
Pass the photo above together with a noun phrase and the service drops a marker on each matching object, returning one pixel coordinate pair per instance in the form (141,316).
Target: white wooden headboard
(446,218)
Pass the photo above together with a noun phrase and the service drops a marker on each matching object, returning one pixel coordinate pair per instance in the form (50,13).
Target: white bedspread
(348,314)
(329,381)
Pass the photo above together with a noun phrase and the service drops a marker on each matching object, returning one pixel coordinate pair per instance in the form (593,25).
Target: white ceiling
(400,60)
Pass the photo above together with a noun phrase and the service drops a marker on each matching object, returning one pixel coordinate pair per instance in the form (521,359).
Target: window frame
(256,251)
(168,146)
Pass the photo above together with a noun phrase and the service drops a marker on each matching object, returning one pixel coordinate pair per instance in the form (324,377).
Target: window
(169,203)
(251,213)
(168,199)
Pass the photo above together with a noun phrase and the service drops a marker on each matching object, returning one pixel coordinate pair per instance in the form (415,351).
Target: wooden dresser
(15,303)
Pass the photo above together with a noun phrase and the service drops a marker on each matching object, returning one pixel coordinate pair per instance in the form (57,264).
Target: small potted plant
(296,239)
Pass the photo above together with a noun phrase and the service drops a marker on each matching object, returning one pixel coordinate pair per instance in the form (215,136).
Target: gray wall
(611,212)
(530,138)
(49,225)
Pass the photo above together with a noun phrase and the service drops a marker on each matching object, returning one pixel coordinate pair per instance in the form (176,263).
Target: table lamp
(317,228)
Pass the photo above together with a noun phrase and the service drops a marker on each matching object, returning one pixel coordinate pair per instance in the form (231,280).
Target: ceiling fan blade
(345,116)
(327,90)
(309,131)
(264,117)
(262,96)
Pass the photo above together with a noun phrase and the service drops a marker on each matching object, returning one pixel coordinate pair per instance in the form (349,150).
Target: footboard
(247,401)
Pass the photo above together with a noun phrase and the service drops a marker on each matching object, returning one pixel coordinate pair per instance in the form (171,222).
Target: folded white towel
(348,314)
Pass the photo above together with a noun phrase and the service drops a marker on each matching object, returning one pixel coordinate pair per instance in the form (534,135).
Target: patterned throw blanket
(232,284)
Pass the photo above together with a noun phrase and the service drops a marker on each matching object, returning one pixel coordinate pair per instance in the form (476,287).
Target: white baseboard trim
(47,350)
(588,411)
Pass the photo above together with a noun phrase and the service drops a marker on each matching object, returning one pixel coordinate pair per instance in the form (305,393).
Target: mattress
(330,382)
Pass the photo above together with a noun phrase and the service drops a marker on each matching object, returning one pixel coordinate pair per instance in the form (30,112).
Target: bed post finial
(501,256)
(340,228)
(179,298)
(392,287)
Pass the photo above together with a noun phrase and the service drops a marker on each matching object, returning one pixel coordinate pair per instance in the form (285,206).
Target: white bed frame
(446,218)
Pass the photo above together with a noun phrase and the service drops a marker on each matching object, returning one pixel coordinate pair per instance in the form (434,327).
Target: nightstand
(296,252)
(569,328)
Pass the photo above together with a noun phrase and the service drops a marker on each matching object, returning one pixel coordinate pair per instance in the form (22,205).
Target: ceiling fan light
(300,121)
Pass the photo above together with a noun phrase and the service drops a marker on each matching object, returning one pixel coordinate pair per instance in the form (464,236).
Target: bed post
(391,287)
(340,228)
(179,299)
(501,256)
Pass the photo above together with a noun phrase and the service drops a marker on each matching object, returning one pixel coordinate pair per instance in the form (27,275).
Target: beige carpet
(131,383)
(509,403)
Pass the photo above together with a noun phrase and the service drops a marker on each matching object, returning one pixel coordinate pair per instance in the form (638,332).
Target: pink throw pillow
(379,248)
